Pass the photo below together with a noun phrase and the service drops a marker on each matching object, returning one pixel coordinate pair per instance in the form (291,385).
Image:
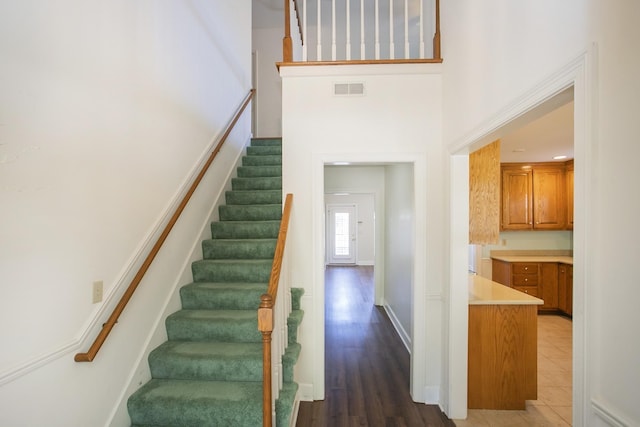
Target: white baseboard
(432,395)
(305,392)
(607,415)
(404,336)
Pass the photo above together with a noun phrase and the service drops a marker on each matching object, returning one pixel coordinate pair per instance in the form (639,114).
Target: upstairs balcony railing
(361,31)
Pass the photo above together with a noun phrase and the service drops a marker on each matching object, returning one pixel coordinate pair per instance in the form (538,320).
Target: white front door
(342,234)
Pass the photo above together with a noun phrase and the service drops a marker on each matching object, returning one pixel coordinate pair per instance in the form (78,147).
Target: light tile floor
(554,404)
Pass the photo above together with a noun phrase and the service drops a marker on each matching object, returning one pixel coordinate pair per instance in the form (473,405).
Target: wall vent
(348,89)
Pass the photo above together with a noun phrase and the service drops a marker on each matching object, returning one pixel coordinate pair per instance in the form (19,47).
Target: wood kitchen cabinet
(565,288)
(569,184)
(539,279)
(533,196)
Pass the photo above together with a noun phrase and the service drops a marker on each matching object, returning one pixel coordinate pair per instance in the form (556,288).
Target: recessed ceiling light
(341,163)
(559,157)
(519,150)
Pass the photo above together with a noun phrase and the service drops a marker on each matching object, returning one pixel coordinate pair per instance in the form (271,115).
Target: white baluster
(362,44)
(391,43)
(406,29)
(319,32)
(377,35)
(333,30)
(421,29)
(348,14)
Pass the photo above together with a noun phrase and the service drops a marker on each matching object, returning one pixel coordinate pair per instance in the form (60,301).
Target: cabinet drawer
(525,268)
(530,290)
(525,280)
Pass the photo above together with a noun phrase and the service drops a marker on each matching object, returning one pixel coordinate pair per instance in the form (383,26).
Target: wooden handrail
(265,312)
(117,311)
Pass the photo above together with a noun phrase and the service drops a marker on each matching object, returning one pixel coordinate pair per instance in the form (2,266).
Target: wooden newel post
(436,37)
(265,326)
(287,46)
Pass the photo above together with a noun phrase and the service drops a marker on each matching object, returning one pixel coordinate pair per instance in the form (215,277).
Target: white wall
(106,110)
(267,43)
(365,187)
(501,57)
(399,248)
(397,121)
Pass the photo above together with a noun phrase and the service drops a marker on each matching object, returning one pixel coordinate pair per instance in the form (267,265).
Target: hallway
(367,365)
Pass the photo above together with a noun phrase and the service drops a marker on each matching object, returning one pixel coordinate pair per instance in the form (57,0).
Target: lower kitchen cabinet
(539,279)
(565,288)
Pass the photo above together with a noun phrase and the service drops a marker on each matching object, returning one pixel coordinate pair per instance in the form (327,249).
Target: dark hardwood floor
(366,364)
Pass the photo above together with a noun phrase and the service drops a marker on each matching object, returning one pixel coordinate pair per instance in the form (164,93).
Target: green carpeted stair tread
(213,325)
(253,197)
(259,171)
(262,183)
(209,361)
(293,321)
(222,295)
(239,248)
(289,359)
(243,270)
(259,142)
(188,403)
(250,212)
(296,296)
(264,150)
(284,404)
(245,229)
(266,160)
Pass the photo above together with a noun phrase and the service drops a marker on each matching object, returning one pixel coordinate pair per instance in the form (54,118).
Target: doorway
(571,76)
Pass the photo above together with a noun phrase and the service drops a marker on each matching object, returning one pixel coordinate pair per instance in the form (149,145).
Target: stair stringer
(141,373)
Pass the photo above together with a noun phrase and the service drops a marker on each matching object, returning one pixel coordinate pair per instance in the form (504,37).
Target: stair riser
(262,161)
(259,171)
(194,405)
(264,150)
(206,369)
(213,271)
(223,330)
(250,212)
(261,183)
(261,142)
(248,230)
(249,197)
(224,249)
(197,298)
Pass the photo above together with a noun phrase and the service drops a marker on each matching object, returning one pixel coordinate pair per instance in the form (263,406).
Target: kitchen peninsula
(546,274)
(503,333)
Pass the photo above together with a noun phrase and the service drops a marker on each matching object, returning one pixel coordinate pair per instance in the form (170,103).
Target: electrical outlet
(97,291)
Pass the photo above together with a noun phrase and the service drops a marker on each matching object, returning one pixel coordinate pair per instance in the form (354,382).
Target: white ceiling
(541,139)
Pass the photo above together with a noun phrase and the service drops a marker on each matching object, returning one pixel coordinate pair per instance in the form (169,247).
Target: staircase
(209,372)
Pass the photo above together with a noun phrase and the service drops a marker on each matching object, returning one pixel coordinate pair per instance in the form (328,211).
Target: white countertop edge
(483,291)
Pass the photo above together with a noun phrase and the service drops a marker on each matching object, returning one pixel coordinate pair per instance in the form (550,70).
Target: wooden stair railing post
(436,37)
(265,326)
(117,311)
(287,45)
(266,314)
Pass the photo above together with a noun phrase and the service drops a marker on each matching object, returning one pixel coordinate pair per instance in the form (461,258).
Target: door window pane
(341,234)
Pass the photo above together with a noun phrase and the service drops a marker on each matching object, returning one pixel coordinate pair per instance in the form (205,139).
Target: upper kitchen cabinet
(533,196)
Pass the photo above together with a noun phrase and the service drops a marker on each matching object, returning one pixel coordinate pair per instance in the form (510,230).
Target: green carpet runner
(209,372)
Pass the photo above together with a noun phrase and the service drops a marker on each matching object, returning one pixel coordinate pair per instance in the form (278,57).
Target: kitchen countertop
(560,256)
(483,291)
